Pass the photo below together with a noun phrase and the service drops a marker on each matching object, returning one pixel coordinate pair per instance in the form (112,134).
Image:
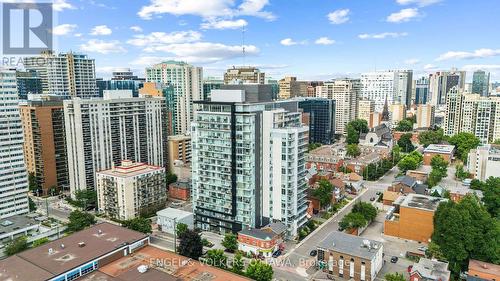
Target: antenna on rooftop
(243,45)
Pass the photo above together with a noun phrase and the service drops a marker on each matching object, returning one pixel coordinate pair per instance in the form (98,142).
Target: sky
(310,39)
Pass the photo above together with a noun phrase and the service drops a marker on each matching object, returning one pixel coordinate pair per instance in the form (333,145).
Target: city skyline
(334,39)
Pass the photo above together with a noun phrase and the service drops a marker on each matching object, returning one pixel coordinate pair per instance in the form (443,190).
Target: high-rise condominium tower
(379,86)
(186,81)
(440,84)
(248,161)
(289,87)
(345,92)
(66,74)
(13,176)
(481,83)
(244,74)
(102,132)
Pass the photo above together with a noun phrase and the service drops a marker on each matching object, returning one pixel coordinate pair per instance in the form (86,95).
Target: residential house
(262,242)
(483,271)
(429,270)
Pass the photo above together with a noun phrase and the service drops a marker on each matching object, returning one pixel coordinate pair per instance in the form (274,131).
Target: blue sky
(311,39)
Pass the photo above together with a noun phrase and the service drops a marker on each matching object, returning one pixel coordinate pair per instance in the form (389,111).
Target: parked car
(378,193)
(372,199)
(422,248)
(394,259)
(276,254)
(313,253)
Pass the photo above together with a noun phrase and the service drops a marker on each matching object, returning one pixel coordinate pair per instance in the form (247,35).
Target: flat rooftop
(423,202)
(484,267)
(440,148)
(17,222)
(63,258)
(173,213)
(130,169)
(351,245)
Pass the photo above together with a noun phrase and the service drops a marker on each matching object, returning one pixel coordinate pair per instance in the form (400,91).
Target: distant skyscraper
(102,132)
(481,83)
(122,79)
(425,116)
(404,87)
(28,82)
(377,86)
(365,109)
(246,161)
(244,74)
(422,90)
(289,87)
(45,143)
(13,176)
(441,83)
(67,74)
(187,84)
(321,119)
(209,84)
(345,92)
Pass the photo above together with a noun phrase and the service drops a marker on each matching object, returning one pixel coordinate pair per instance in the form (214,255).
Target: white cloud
(136,28)
(224,24)
(477,54)
(412,61)
(430,67)
(158,39)
(339,16)
(206,9)
(290,42)
(60,5)
(101,30)
(147,60)
(202,52)
(382,35)
(324,41)
(63,29)
(403,16)
(474,67)
(420,3)
(103,47)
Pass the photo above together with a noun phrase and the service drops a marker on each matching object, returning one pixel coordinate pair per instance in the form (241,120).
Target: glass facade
(321,119)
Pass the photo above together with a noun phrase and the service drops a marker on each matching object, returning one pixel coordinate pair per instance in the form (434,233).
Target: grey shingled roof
(432,270)
(406,180)
(350,245)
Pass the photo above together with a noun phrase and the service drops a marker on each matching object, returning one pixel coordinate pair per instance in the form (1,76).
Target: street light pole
(175,235)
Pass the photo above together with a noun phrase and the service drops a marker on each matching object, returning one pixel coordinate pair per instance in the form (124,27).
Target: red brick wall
(178,193)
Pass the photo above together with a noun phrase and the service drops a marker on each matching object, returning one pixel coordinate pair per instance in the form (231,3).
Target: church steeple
(385,111)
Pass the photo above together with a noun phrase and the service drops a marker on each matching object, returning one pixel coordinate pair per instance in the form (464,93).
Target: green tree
(32,204)
(180,228)
(352,221)
(396,153)
(405,142)
(79,220)
(433,251)
(170,178)
(366,209)
(405,126)
(439,170)
(491,196)
(313,146)
(230,242)
(138,224)
(477,184)
(259,271)
(324,193)
(408,163)
(40,241)
(394,277)
(464,142)
(238,265)
(496,141)
(216,258)
(354,129)
(85,198)
(16,246)
(460,173)
(431,137)
(33,182)
(190,244)
(464,231)
(353,150)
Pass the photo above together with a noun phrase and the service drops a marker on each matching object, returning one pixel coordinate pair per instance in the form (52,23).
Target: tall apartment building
(345,92)
(66,74)
(131,189)
(245,75)
(365,109)
(379,87)
(422,90)
(45,143)
(397,113)
(289,87)
(209,84)
(186,81)
(179,149)
(28,82)
(425,115)
(311,88)
(122,79)
(404,87)
(248,161)
(484,161)
(13,176)
(102,132)
(441,83)
(481,83)
(320,116)
(474,114)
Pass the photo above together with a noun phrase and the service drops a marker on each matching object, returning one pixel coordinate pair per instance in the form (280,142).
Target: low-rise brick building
(446,151)
(483,271)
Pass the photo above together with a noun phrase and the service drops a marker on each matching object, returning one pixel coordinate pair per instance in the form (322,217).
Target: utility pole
(47,206)
(175,235)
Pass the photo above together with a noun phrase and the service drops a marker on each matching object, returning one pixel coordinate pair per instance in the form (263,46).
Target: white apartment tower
(101,132)
(345,92)
(379,86)
(187,84)
(66,74)
(248,163)
(484,161)
(13,175)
